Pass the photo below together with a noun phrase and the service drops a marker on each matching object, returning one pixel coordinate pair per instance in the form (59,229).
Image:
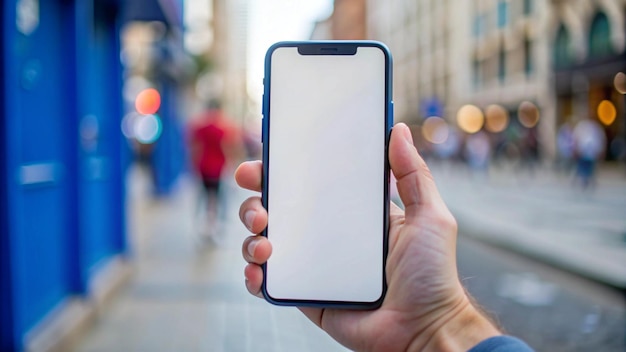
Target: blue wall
(63,157)
(61,183)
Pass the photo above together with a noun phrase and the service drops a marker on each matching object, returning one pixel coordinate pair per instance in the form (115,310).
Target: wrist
(459,329)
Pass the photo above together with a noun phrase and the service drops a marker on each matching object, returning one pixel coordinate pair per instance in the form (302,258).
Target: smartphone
(327,118)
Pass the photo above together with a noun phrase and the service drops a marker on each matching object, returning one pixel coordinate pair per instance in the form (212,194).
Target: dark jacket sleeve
(502,344)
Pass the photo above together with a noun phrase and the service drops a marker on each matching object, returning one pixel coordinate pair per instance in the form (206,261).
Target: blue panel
(99,157)
(6,297)
(37,164)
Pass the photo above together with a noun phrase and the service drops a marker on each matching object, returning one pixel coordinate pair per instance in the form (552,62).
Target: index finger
(248,175)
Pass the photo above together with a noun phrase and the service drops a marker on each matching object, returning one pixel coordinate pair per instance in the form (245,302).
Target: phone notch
(328,49)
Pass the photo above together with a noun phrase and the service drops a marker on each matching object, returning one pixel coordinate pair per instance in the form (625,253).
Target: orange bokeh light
(607,112)
(148,101)
(528,114)
(496,118)
(470,119)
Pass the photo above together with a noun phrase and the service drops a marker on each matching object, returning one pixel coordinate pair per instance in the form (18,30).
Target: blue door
(39,141)
(100,170)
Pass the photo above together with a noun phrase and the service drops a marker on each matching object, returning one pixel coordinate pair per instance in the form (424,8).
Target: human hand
(426,307)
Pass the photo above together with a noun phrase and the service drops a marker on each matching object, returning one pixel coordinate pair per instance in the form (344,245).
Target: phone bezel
(328,48)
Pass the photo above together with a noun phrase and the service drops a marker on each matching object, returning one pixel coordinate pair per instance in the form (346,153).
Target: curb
(508,236)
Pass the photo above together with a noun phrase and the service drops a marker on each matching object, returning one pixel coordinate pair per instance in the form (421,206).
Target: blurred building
(425,37)
(229,53)
(321,30)
(510,64)
(424,40)
(542,62)
(347,22)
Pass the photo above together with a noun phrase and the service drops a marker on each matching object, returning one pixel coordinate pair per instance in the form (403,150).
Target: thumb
(415,183)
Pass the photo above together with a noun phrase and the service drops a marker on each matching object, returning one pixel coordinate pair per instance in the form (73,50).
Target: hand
(426,307)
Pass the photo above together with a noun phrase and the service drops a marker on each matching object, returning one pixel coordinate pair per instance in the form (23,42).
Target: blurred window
(476,74)
(528,57)
(600,37)
(479,25)
(562,48)
(503,13)
(528,7)
(501,64)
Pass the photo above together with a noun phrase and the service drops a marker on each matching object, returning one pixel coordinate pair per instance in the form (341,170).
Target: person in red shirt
(213,145)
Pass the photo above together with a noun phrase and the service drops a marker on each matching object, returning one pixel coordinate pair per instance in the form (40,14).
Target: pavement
(188,294)
(543,214)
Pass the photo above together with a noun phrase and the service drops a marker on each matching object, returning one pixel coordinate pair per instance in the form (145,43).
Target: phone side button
(391,114)
(263,105)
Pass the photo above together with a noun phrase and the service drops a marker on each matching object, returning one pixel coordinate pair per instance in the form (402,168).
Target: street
(550,309)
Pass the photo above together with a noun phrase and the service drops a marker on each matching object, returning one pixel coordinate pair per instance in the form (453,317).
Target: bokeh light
(128,124)
(435,130)
(148,101)
(470,118)
(620,82)
(147,128)
(528,114)
(496,118)
(606,112)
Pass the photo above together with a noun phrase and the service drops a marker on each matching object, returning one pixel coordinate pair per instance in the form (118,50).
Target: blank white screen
(326,175)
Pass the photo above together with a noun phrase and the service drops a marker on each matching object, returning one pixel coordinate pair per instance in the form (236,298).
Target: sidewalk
(544,216)
(190,296)
(187,295)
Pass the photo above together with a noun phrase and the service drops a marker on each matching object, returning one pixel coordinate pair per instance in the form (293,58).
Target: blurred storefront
(588,52)
(62,164)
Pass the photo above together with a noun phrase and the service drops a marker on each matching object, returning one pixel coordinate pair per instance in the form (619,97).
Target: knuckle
(445,221)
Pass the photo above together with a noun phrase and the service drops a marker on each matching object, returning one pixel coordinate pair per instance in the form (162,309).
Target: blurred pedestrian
(478,152)
(565,145)
(213,145)
(529,150)
(590,143)
(449,148)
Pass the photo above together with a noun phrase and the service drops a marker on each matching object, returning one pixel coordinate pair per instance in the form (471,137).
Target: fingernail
(248,219)
(252,246)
